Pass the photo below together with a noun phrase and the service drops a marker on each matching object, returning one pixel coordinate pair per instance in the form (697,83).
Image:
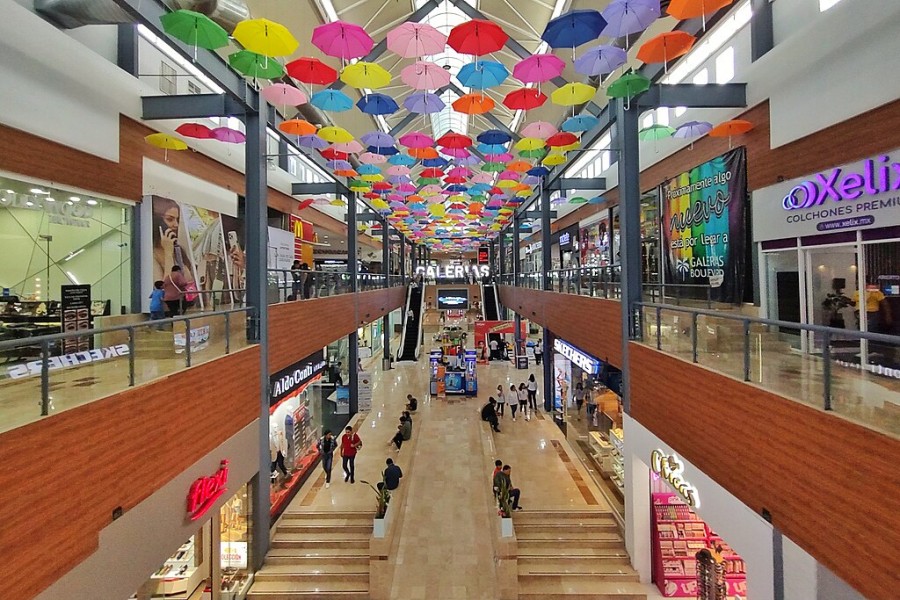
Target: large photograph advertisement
(704,226)
(207,245)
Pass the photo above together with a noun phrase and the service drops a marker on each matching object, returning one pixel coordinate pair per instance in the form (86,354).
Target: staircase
(573,554)
(412,329)
(322,555)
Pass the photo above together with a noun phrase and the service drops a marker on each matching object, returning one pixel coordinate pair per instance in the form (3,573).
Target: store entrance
(831,288)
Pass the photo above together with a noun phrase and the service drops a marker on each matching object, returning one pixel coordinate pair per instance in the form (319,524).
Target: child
(157,308)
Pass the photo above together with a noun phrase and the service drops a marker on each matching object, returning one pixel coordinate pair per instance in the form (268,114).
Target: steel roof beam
(190,106)
(692,95)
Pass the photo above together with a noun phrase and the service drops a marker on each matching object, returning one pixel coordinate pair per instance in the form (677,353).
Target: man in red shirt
(350,445)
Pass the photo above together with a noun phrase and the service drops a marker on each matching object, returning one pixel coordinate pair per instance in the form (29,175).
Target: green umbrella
(255,65)
(539,153)
(195,29)
(492,167)
(428,181)
(655,132)
(628,86)
(577,200)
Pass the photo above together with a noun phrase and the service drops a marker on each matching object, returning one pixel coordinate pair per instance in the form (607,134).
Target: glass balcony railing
(287,285)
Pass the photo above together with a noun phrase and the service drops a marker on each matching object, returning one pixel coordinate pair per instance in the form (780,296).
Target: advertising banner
(364,394)
(705,227)
(562,370)
(281,249)
(75,308)
(483,328)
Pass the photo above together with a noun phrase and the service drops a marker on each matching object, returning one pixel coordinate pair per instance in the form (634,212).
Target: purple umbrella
(424,103)
(226,134)
(624,17)
(505,157)
(692,129)
(397,179)
(338,165)
(312,142)
(377,139)
(467,161)
(600,60)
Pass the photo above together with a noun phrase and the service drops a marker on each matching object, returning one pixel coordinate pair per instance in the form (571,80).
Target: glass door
(832,281)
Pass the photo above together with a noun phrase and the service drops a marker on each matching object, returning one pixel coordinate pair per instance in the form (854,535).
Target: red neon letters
(205,491)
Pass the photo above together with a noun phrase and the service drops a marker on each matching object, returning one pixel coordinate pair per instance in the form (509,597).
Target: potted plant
(505,508)
(382,498)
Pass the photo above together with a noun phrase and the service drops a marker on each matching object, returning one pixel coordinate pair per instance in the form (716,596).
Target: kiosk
(437,385)
(471,375)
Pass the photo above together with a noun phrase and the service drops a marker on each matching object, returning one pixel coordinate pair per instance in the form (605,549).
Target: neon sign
(671,469)
(205,491)
(876,178)
(586,363)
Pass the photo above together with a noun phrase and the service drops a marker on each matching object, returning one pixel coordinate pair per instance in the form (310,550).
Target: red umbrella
(524,99)
(305,203)
(311,70)
(454,140)
(431,173)
(563,138)
(477,37)
(332,154)
(382,185)
(371,195)
(455,179)
(194,130)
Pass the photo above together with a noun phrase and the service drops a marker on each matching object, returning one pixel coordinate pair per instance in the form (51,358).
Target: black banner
(75,310)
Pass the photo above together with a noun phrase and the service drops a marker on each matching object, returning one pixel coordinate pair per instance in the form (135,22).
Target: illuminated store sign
(874,178)
(454,271)
(583,361)
(205,491)
(671,469)
(289,380)
(565,239)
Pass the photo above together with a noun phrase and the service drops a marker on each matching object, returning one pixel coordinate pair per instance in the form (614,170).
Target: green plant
(382,498)
(503,497)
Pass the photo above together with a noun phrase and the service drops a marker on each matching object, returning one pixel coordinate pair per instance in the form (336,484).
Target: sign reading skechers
(583,361)
(860,195)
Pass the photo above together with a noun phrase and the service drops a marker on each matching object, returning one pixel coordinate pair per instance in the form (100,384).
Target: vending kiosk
(437,371)
(470,372)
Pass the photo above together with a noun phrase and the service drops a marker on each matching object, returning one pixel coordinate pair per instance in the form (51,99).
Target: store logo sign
(288,383)
(565,239)
(671,469)
(585,362)
(205,491)
(65,361)
(876,177)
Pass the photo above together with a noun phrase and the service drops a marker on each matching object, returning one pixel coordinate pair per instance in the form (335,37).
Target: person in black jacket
(391,476)
(489,414)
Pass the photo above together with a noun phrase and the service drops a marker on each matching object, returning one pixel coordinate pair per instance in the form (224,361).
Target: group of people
(350,444)
(522,398)
(168,298)
(302,283)
(502,478)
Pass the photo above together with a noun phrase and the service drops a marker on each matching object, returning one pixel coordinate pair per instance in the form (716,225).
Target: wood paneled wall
(297,329)
(830,485)
(592,324)
(62,477)
(854,139)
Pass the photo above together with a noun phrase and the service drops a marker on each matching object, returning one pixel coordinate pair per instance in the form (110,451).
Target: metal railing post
(694,337)
(826,370)
(131,351)
(658,328)
(45,378)
(708,297)
(227,333)
(187,342)
(746,349)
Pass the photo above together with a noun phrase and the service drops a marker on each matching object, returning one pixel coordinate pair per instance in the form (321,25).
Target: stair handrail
(406,306)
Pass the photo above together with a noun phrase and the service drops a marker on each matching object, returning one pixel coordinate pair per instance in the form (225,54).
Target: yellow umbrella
(553,159)
(265,37)
(523,193)
(437,210)
(335,135)
(338,202)
(379,203)
(496,227)
(365,75)
(572,94)
(375,177)
(572,146)
(166,142)
(530,143)
(506,183)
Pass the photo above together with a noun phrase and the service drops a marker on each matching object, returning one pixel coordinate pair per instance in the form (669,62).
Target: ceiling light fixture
(74,198)
(92,202)
(73,255)
(37,191)
(50,199)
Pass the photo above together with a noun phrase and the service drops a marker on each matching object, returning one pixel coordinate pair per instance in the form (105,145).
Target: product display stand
(617,458)
(179,576)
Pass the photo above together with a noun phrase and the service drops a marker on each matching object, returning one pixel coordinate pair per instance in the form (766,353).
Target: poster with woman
(171,242)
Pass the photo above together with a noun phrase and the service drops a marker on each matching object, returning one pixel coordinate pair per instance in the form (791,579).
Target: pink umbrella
(412,40)
(482,178)
(460,172)
(416,139)
(455,152)
(342,40)
(226,134)
(351,147)
(511,175)
(432,189)
(539,129)
(504,157)
(282,94)
(398,170)
(424,75)
(406,187)
(538,68)
(370,158)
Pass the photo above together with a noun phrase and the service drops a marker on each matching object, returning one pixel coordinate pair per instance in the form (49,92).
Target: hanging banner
(705,227)
(75,316)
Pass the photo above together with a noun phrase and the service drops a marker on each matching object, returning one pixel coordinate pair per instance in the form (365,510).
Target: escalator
(412,327)
(491,309)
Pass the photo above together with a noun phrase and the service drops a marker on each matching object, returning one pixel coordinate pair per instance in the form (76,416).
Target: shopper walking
(513,398)
(326,446)
(579,398)
(501,401)
(523,400)
(296,280)
(307,280)
(350,446)
(494,346)
(157,307)
(538,351)
(173,291)
(531,386)
(591,405)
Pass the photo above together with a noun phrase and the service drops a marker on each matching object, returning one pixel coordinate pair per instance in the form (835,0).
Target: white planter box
(379,530)
(506,527)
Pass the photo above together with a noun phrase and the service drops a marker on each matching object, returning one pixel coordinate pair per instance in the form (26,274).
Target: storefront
(371,339)
(56,237)
(564,253)
(297,395)
(830,255)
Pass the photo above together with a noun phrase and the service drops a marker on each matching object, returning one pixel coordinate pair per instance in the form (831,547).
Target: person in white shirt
(531,386)
(501,401)
(523,400)
(538,351)
(513,399)
(494,347)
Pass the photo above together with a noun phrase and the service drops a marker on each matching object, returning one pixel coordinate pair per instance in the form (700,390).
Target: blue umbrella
(438,162)
(493,136)
(457,188)
(377,104)
(313,142)
(383,150)
(482,74)
(404,160)
(378,139)
(600,60)
(331,100)
(491,148)
(426,103)
(580,123)
(538,171)
(574,28)
(479,188)
(368,170)
(596,200)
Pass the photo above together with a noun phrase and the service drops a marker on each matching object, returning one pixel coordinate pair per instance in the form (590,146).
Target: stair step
(566,527)
(315,529)
(293,595)
(289,552)
(560,515)
(563,558)
(568,546)
(320,588)
(290,534)
(567,572)
(339,516)
(308,544)
(566,588)
(362,579)
(567,534)
(315,561)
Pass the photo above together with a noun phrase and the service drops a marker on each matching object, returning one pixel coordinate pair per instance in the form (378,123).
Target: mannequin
(276,450)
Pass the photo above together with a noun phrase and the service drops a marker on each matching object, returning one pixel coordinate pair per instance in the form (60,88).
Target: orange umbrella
(346,173)
(730,128)
(473,104)
(689,9)
(665,47)
(428,152)
(519,166)
(297,127)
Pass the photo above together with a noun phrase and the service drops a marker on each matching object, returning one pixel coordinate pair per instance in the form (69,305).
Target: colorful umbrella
(524,99)
(424,103)
(574,28)
(371,158)
(312,71)
(600,60)
(538,68)
(530,143)
(338,165)
(377,138)
(311,141)
(655,132)
(255,65)
(377,104)
(628,86)
(332,153)
(416,139)
(412,40)
(402,159)
(365,75)
(482,75)
(331,100)
(553,159)
(731,128)
(473,104)
(477,37)
(454,140)
(166,142)
(335,135)
(351,147)
(539,129)
(194,29)
(692,129)
(346,173)
(229,135)
(493,136)
(428,152)
(194,130)
(539,171)
(572,94)
(342,40)
(665,47)
(265,37)
(425,75)
(689,9)
(580,123)
(624,17)
(561,139)
(282,94)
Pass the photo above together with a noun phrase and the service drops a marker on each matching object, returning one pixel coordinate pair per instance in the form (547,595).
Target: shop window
(182,574)
(826,4)
(234,527)
(702,77)
(725,65)
(167,83)
(193,88)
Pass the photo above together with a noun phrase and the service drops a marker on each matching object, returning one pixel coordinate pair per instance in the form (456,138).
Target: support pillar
(762,29)
(137,250)
(353,338)
(549,390)
(546,263)
(256,246)
(515,251)
(402,258)
(386,319)
(502,269)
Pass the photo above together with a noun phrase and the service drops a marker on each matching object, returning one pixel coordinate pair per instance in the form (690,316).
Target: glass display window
(235,530)
(295,424)
(183,573)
